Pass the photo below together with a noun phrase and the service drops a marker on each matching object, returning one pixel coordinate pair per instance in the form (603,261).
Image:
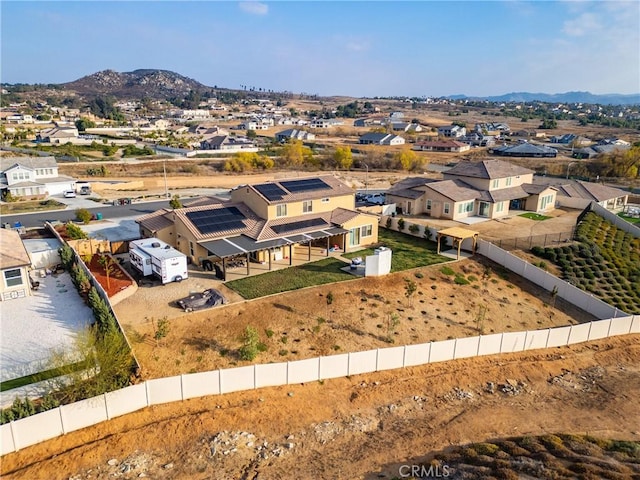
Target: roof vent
(155,245)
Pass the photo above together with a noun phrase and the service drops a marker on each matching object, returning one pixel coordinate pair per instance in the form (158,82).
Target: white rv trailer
(151,256)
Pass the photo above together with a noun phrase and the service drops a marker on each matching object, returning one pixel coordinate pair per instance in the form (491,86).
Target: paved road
(37,219)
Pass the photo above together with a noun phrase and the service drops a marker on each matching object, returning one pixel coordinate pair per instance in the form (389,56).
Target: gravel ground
(32,327)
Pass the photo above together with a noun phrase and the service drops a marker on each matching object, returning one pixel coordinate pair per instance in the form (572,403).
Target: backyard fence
(543,240)
(67,418)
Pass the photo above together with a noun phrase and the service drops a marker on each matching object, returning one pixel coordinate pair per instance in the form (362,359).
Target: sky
(353,48)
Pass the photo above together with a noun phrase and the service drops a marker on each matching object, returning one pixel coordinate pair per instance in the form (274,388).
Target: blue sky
(359,48)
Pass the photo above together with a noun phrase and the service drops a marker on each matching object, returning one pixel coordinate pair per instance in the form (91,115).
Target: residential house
(14,266)
(293,134)
(325,123)
(57,135)
(524,149)
(226,142)
(491,128)
(32,177)
(442,146)
(406,127)
(610,198)
(19,118)
(267,222)
(476,139)
(373,138)
(452,131)
(489,188)
(194,114)
(528,133)
(368,122)
(396,115)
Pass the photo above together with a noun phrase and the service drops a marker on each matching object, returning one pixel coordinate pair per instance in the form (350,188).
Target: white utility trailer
(151,256)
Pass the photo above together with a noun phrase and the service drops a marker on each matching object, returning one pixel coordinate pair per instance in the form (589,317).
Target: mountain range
(164,84)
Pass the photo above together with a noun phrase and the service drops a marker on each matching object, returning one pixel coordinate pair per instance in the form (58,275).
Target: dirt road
(359,427)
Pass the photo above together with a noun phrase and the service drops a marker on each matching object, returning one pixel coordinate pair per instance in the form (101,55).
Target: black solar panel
(270,191)
(217,220)
(307,185)
(293,226)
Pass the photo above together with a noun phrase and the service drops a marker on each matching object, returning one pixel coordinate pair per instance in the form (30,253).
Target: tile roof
(487,169)
(590,191)
(532,189)
(341,215)
(408,187)
(30,162)
(525,149)
(155,221)
(12,251)
(508,194)
(456,190)
(336,188)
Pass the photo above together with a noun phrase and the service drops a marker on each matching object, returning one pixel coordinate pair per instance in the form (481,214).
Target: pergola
(458,235)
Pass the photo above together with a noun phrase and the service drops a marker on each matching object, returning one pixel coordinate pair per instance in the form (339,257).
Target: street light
(568,167)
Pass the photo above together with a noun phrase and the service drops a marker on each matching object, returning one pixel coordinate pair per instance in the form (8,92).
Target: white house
(14,264)
(452,131)
(32,176)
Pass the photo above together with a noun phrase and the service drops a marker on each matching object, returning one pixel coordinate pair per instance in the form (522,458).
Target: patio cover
(459,235)
(241,244)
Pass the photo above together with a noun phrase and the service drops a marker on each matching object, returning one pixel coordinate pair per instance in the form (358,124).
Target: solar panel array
(293,226)
(306,185)
(217,220)
(270,191)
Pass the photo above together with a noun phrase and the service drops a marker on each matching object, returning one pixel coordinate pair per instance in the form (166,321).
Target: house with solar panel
(472,191)
(269,222)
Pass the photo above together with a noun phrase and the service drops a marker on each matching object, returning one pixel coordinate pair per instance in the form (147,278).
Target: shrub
(75,232)
(413,228)
(250,340)
(447,271)
(460,280)
(388,222)
(419,275)
(83,215)
(401,224)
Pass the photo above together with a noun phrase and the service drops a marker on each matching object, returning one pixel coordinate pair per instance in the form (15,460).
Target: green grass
(34,206)
(315,273)
(41,376)
(534,216)
(407,251)
(629,219)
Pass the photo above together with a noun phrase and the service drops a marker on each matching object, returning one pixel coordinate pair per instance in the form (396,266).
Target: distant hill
(135,85)
(568,97)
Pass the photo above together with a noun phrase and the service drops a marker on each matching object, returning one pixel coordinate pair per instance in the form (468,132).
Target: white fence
(37,428)
(68,418)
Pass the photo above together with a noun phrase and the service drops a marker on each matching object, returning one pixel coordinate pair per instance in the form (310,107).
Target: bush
(250,347)
(460,280)
(401,224)
(74,232)
(447,271)
(413,228)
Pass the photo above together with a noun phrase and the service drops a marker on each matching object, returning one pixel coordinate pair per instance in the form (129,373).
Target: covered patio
(458,235)
(244,252)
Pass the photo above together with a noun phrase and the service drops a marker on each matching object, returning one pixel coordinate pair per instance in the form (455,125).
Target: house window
(307,206)
(508,181)
(495,183)
(354,236)
(13,278)
(325,200)
(191,249)
(465,207)
(447,208)
(366,231)
(499,207)
(15,176)
(428,205)
(281,210)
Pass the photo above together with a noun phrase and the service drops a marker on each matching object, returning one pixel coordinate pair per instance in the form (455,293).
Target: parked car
(377,198)
(69,194)
(199,301)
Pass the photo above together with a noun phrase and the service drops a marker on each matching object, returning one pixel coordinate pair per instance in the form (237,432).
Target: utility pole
(366,179)
(164,170)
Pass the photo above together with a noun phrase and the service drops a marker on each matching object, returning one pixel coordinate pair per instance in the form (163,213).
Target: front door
(483,209)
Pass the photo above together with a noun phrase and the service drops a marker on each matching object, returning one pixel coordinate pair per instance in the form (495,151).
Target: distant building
(373,138)
(452,131)
(441,146)
(32,177)
(525,150)
(225,142)
(293,134)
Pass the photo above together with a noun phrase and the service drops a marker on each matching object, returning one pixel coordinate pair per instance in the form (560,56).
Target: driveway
(34,327)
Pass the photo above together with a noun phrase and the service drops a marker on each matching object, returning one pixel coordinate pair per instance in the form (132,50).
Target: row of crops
(603,260)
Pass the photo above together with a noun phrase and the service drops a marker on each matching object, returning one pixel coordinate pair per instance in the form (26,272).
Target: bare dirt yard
(365,313)
(365,426)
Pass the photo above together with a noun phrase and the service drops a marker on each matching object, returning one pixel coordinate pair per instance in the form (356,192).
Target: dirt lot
(366,313)
(365,426)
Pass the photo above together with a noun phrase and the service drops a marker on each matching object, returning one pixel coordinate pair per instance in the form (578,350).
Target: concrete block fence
(68,418)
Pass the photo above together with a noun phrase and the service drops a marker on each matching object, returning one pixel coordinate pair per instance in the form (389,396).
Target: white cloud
(582,25)
(254,8)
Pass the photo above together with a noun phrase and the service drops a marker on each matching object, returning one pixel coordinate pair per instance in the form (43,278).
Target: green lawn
(534,216)
(25,207)
(408,252)
(629,219)
(315,273)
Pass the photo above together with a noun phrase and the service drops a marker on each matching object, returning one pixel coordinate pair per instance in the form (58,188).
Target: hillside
(135,85)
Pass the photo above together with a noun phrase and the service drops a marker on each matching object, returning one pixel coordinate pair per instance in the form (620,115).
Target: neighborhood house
(264,223)
(32,176)
(14,265)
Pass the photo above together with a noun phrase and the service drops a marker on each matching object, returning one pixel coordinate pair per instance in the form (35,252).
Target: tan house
(266,222)
(14,264)
(489,189)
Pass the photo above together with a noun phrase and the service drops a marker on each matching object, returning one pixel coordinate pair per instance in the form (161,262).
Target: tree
(251,134)
(410,289)
(250,344)
(83,123)
(83,215)
(343,157)
(407,159)
(108,263)
(175,202)
(294,153)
